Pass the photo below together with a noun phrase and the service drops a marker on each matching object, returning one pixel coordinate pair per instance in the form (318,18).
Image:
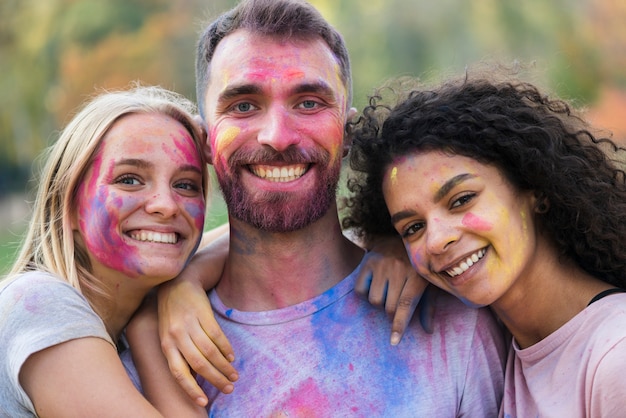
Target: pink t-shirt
(577,371)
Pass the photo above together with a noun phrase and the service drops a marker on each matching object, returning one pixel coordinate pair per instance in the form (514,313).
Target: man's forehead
(248,51)
(246,59)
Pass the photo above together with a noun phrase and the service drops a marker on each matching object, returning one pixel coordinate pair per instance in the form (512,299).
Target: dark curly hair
(538,143)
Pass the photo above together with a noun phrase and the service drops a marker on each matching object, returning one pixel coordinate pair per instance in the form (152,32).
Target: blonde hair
(49,244)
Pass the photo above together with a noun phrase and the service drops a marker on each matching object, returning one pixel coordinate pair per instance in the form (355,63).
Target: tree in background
(54,54)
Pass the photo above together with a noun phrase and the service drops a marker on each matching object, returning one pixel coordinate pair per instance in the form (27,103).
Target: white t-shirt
(37,311)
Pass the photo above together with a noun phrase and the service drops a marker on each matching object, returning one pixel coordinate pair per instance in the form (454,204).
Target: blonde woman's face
(141,207)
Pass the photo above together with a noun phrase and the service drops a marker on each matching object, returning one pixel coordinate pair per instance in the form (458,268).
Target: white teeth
(167,238)
(279,174)
(466,264)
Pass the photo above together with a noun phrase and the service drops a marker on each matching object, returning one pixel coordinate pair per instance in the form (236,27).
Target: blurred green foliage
(56,53)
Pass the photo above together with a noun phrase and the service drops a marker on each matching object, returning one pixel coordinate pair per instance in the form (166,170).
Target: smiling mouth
(463,266)
(279,174)
(151,236)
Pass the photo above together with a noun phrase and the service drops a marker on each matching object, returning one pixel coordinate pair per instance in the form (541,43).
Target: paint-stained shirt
(576,372)
(37,311)
(331,357)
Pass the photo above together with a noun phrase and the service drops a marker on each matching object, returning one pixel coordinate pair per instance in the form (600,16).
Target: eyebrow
(319,87)
(398,216)
(135,162)
(235,91)
(238,90)
(450,184)
(443,190)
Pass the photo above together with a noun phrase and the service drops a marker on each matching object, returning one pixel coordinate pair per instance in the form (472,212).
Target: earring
(542,206)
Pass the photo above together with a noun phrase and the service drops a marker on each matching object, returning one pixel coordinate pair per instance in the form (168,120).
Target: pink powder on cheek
(101,233)
(472,221)
(196,210)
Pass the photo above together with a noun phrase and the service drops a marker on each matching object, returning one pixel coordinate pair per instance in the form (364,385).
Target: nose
(162,201)
(440,235)
(279,129)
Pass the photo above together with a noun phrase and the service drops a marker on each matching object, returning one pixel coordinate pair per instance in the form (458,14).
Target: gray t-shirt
(37,311)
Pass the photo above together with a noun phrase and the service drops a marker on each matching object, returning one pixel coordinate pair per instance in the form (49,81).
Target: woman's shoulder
(35,283)
(43,309)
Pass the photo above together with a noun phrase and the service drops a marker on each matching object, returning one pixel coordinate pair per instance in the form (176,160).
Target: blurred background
(55,54)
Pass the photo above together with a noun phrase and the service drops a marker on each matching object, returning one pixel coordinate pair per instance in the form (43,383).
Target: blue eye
(189,186)
(128,179)
(309,104)
(244,107)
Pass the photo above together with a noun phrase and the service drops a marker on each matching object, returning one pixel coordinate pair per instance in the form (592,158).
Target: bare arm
(189,333)
(82,378)
(159,385)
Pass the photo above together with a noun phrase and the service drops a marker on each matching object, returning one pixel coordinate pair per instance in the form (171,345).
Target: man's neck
(267,271)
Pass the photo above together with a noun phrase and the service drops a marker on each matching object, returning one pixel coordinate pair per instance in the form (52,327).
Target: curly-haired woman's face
(465,227)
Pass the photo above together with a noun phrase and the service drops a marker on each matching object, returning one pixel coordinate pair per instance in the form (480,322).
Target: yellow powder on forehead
(394,176)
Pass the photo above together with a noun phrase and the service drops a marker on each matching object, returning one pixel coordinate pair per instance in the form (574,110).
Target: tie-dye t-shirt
(331,357)
(576,372)
(37,311)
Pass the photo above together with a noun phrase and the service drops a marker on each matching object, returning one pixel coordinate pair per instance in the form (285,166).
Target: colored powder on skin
(184,146)
(226,138)
(394,176)
(197,212)
(294,74)
(472,221)
(99,227)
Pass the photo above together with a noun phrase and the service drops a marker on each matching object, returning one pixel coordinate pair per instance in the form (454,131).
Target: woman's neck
(115,306)
(537,306)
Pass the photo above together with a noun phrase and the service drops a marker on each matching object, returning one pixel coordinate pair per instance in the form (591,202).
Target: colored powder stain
(394,176)
(229,313)
(472,221)
(184,147)
(197,212)
(524,222)
(226,137)
(294,74)
(312,395)
(32,303)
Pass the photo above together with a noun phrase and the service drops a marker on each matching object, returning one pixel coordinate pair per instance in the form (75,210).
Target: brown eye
(463,200)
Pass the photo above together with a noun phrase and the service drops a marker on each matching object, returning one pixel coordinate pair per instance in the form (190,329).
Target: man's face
(276,113)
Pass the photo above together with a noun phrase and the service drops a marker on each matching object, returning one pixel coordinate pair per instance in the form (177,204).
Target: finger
(187,355)
(409,298)
(363,282)
(182,374)
(212,361)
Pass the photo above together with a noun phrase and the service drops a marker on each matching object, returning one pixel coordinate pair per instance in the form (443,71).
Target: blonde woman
(119,210)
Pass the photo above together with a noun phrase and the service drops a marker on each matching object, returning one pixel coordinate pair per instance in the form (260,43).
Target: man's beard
(277,212)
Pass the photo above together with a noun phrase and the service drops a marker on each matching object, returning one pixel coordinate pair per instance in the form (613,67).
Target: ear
(206,149)
(541,203)
(208,154)
(347,140)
